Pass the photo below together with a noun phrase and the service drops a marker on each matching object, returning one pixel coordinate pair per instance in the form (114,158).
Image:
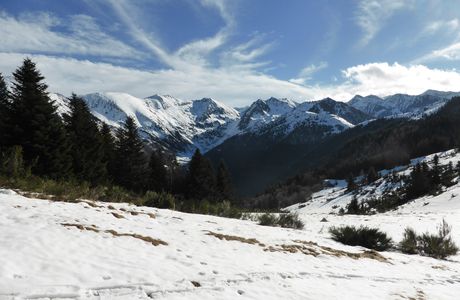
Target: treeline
(423,180)
(35,140)
(382,144)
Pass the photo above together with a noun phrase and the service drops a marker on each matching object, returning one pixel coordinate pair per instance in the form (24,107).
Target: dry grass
(235,238)
(82,227)
(118,216)
(312,248)
(92,204)
(154,242)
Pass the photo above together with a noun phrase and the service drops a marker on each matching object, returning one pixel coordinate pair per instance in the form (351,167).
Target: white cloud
(441,25)
(385,79)
(37,33)
(237,88)
(306,73)
(451,52)
(371,15)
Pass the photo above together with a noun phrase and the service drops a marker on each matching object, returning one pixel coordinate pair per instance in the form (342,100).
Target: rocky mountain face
(402,105)
(257,141)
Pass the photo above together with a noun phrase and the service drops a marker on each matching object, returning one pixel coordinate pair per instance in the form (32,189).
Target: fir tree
(372,175)
(201,182)
(351,184)
(86,143)
(130,162)
(158,175)
(36,126)
(223,183)
(436,172)
(5,110)
(108,150)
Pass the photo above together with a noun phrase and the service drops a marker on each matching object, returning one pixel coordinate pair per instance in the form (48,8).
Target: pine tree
(223,183)
(36,126)
(5,110)
(436,172)
(158,175)
(108,150)
(351,184)
(372,175)
(130,162)
(86,143)
(201,182)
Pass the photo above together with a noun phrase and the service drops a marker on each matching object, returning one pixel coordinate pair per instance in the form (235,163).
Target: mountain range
(256,139)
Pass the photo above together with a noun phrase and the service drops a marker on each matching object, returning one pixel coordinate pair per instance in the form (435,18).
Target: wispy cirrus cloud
(37,33)
(306,73)
(371,15)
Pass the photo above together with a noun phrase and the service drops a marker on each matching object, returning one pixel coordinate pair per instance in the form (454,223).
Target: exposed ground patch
(154,242)
(312,248)
(226,237)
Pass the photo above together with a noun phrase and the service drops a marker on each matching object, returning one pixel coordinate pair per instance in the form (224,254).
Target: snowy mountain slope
(262,112)
(57,250)
(402,105)
(179,125)
(335,196)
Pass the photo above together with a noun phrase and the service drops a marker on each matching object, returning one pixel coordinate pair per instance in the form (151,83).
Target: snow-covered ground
(57,250)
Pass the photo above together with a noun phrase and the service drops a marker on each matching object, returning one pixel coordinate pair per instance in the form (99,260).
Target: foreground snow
(56,250)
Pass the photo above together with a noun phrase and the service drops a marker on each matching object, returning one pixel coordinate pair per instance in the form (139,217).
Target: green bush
(268,219)
(285,220)
(290,220)
(160,200)
(438,245)
(364,236)
(409,242)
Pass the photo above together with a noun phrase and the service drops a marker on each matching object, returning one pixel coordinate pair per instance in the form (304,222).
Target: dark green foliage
(224,189)
(372,175)
(201,181)
(35,125)
(86,142)
(354,208)
(285,220)
(371,238)
(351,185)
(409,242)
(108,150)
(158,174)
(290,220)
(438,245)
(160,200)
(268,219)
(130,163)
(12,162)
(5,111)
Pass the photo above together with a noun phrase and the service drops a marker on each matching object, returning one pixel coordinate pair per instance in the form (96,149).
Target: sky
(236,51)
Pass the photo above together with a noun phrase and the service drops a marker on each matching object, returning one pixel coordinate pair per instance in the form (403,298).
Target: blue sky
(236,51)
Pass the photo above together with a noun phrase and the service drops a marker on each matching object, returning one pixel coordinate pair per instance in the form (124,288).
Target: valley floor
(89,250)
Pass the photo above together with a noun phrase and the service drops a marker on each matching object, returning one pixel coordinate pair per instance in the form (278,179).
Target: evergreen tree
(108,150)
(419,182)
(351,184)
(223,182)
(201,182)
(86,143)
(435,171)
(36,126)
(130,162)
(5,110)
(372,175)
(353,207)
(158,175)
